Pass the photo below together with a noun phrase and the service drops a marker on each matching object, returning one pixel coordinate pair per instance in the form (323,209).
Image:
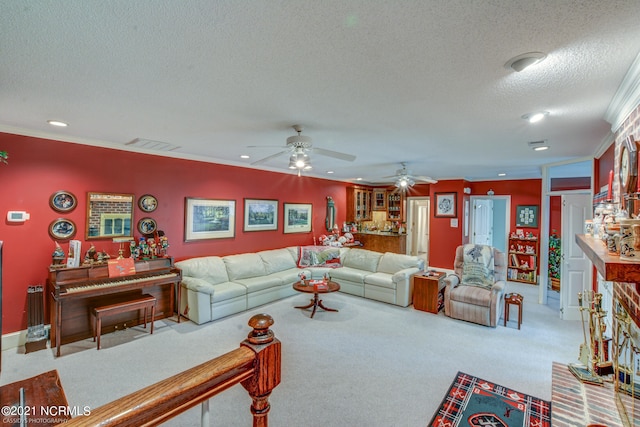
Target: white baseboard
(17,339)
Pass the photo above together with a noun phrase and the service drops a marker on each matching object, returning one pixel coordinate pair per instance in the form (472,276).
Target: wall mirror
(109,215)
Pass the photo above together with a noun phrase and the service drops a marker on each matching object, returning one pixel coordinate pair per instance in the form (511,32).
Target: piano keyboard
(115,283)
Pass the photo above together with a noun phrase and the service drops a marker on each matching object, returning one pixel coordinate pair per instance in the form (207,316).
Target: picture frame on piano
(209,219)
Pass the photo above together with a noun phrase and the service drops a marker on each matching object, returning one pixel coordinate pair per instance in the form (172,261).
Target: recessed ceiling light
(329,171)
(57,123)
(535,117)
(502,174)
(541,148)
(244,156)
(520,62)
(358,179)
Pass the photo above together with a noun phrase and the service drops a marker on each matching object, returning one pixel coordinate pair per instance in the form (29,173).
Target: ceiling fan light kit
(299,146)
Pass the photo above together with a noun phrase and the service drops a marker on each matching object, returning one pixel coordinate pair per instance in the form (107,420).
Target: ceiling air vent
(538,145)
(152,145)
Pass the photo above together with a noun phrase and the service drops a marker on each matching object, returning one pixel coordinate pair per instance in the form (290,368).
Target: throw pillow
(319,256)
(478,266)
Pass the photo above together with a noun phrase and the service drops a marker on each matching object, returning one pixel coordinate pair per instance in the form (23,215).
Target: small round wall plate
(63,201)
(62,229)
(148,203)
(147,226)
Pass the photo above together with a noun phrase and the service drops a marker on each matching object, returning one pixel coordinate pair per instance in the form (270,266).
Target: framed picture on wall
(63,201)
(209,219)
(297,217)
(446,205)
(260,215)
(527,216)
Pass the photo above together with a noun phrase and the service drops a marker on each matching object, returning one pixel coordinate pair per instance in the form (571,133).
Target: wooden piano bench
(143,302)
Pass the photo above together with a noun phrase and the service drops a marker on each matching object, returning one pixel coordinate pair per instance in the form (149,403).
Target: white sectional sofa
(214,287)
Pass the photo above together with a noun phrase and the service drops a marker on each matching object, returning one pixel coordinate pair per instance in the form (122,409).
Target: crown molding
(606,142)
(627,97)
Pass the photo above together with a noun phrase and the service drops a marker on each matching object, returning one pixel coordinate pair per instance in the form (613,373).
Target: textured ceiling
(421,82)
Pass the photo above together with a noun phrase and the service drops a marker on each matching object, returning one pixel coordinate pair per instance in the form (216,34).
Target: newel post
(267,367)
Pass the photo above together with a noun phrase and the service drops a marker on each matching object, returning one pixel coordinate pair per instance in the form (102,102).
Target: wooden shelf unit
(379,199)
(359,200)
(395,211)
(523,250)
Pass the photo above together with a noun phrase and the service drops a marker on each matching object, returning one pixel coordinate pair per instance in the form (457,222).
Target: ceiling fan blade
(426,179)
(335,154)
(261,161)
(265,146)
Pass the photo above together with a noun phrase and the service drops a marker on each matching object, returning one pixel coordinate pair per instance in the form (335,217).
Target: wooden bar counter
(383,241)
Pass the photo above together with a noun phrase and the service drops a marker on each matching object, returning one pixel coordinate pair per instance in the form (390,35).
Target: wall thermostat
(17,216)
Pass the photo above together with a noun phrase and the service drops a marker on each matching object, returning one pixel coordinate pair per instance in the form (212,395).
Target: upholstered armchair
(475,292)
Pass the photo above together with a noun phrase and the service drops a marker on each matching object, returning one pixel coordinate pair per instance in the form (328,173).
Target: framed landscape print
(260,215)
(446,205)
(209,219)
(297,217)
(527,216)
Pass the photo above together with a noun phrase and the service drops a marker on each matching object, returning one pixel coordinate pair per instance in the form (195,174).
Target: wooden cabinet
(383,242)
(522,260)
(395,203)
(359,204)
(428,291)
(379,199)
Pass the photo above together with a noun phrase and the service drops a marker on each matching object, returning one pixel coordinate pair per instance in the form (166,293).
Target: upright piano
(73,292)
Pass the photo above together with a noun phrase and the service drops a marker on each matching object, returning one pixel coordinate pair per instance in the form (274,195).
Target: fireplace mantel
(610,267)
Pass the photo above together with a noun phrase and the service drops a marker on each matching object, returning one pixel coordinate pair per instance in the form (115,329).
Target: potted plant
(555,258)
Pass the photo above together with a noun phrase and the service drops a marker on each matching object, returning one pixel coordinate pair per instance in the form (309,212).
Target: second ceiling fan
(405,179)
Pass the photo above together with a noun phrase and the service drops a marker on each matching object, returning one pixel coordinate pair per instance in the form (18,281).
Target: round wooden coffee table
(304,286)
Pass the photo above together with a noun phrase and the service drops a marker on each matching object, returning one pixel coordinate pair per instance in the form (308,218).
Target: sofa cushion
(384,280)
(319,256)
(210,268)
(244,266)
(218,292)
(347,273)
(392,263)
(254,284)
(277,260)
(362,259)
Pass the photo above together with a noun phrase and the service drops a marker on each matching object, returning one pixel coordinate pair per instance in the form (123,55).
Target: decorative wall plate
(147,226)
(148,203)
(62,229)
(63,201)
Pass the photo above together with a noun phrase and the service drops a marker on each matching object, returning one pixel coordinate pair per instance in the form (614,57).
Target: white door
(576,271)
(418,244)
(482,222)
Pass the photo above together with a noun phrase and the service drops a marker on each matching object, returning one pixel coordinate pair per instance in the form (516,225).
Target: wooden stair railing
(256,365)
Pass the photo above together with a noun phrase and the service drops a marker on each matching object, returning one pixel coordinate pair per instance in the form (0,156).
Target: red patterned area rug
(472,401)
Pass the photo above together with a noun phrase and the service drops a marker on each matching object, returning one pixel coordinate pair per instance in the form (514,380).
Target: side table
(427,288)
(513,299)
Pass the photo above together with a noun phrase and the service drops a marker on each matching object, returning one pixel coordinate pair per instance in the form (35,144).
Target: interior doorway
(418,227)
(490,221)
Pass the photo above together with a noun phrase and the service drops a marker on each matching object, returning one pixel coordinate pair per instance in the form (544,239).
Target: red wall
(37,168)
(444,239)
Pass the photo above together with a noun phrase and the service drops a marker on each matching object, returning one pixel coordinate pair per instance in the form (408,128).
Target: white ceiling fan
(405,179)
(300,146)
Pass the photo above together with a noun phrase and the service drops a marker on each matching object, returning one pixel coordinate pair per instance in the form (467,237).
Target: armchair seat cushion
(471,295)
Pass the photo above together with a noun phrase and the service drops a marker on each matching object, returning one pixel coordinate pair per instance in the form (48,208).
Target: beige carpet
(370,364)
